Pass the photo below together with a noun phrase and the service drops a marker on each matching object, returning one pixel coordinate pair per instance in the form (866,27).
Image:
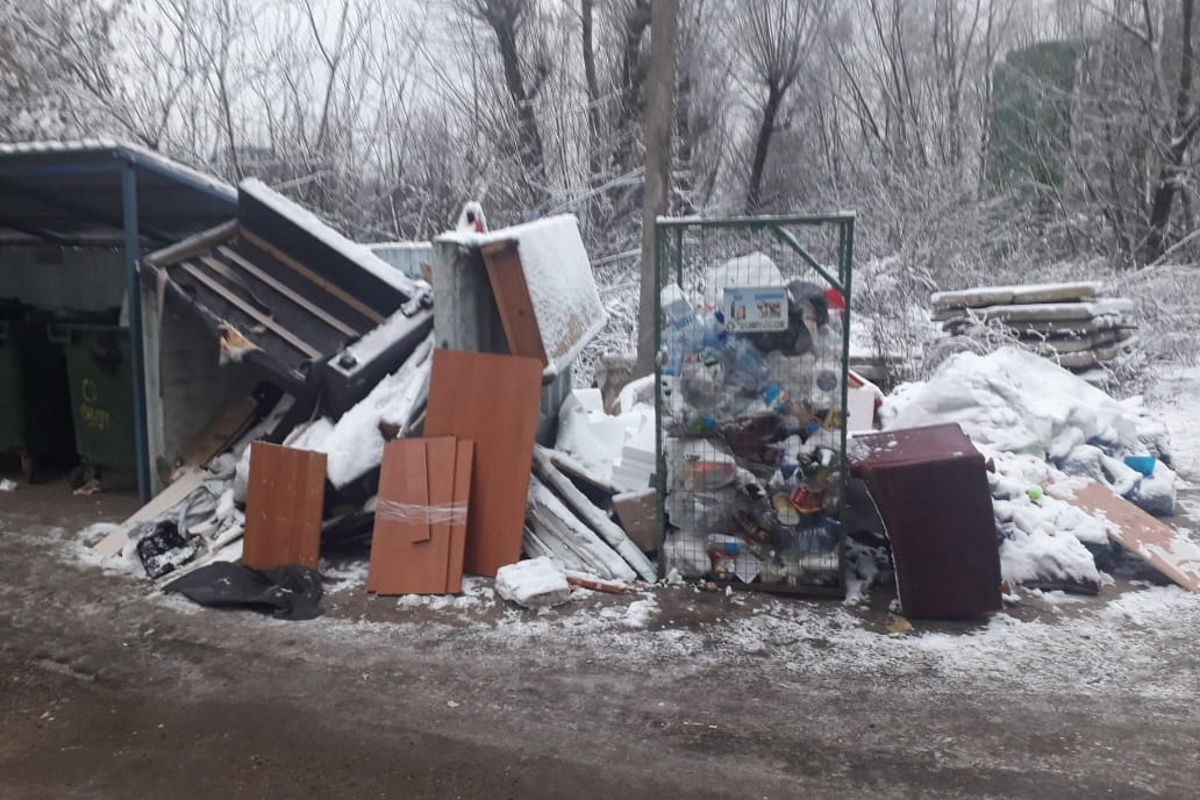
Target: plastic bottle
(682,334)
(745,366)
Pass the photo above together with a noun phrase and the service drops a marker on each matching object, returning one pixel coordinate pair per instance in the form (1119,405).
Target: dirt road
(110,692)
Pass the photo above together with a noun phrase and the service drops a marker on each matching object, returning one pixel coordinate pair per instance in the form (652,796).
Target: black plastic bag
(288,592)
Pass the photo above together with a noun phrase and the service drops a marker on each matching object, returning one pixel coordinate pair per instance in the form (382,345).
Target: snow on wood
(355,445)
(360,254)
(559,529)
(592,516)
(1153,541)
(1051,312)
(558,274)
(1066,323)
(1009,295)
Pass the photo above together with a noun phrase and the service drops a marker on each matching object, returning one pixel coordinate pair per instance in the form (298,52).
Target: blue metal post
(133,294)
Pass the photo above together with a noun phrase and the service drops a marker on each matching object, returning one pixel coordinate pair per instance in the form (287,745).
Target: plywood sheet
(284,500)
(1150,539)
(492,400)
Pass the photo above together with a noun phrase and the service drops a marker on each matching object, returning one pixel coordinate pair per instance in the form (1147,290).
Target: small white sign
(754,309)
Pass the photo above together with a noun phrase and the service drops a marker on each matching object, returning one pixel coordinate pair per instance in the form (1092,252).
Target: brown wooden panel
(415,491)
(503,262)
(390,536)
(410,546)
(1158,544)
(464,459)
(492,400)
(284,500)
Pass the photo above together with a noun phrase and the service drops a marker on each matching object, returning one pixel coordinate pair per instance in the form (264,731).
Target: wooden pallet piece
(284,501)
(1141,534)
(492,400)
(226,426)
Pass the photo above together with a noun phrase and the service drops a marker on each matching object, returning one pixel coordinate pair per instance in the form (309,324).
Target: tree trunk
(1183,130)
(595,122)
(761,144)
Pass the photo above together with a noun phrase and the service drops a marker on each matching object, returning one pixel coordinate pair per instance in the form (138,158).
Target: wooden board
(463,461)
(221,431)
(503,262)
(412,542)
(492,400)
(284,501)
(1158,544)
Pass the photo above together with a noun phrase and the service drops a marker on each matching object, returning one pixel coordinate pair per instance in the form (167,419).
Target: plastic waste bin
(100,375)
(35,409)
(930,486)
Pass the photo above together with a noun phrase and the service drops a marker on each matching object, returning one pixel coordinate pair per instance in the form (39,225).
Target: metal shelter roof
(101,193)
(72,193)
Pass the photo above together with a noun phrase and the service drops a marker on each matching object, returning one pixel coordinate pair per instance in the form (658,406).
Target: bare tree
(778,37)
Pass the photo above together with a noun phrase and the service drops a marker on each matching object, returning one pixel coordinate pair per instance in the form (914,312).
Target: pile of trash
(752,398)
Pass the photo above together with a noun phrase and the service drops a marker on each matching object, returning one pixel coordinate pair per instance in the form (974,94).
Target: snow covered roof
(306,223)
(72,193)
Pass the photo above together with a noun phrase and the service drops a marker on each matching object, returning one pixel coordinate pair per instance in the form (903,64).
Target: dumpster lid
(907,446)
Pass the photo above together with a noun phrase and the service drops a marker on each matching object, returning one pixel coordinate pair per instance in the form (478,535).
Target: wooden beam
(287,292)
(313,277)
(192,245)
(254,313)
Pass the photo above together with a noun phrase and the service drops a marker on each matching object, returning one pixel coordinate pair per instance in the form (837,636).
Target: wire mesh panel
(752,375)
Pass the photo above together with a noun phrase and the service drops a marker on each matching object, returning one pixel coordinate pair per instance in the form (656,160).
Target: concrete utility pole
(659,101)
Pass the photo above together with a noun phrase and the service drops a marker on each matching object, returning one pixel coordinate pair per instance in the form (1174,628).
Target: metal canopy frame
(86,194)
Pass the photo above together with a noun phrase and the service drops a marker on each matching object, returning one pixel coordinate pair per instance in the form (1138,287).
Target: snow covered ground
(1133,634)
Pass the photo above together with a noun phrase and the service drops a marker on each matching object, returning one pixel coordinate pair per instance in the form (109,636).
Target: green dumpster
(100,374)
(35,408)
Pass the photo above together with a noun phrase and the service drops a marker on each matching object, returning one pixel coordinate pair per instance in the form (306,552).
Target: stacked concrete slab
(1069,323)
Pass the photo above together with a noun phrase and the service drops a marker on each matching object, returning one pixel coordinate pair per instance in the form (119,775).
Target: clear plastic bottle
(682,333)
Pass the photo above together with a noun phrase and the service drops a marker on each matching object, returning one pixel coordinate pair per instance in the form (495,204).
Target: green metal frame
(778,226)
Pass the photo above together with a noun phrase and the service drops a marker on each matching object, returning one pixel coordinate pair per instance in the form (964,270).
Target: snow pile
(535,583)
(354,444)
(1039,424)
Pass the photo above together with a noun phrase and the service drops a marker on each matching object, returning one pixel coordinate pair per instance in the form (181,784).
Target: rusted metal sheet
(284,500)
(930,486)
(492,400)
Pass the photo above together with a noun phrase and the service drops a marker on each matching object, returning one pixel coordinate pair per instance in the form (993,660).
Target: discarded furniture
(421,517)
(493,401)
(284,501)
(930,486)
(320,316)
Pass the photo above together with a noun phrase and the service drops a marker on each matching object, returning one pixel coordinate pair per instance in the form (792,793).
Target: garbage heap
(752,440)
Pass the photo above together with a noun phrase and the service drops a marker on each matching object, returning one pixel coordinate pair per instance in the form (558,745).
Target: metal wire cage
(751,395)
